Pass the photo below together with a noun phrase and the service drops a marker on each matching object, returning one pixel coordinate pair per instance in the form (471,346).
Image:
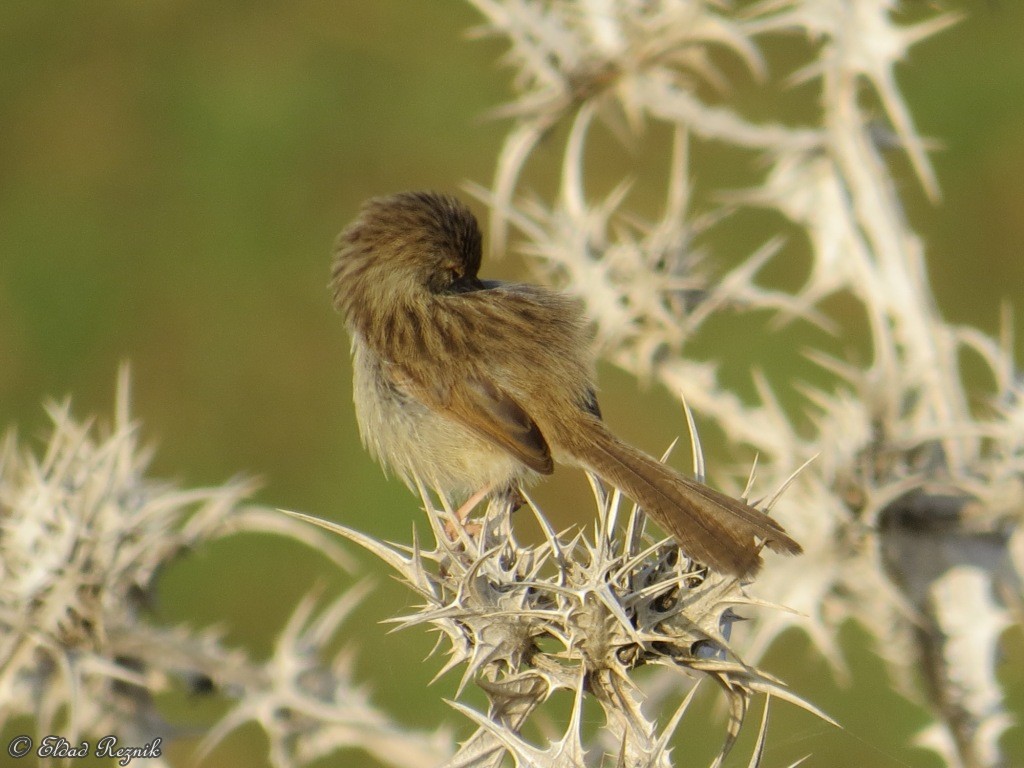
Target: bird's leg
(512,495)
(463,512)
(467,507)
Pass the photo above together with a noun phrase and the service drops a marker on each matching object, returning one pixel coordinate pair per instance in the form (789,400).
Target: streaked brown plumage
(471,384)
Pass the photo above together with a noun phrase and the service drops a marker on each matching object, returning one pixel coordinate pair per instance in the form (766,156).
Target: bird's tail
(710,526)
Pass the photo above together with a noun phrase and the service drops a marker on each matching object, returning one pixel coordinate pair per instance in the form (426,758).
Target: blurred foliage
(172,174)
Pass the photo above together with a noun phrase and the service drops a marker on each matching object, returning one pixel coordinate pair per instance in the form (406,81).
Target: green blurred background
(172,174)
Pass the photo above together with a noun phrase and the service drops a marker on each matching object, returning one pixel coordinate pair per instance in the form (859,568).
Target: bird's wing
(477,403)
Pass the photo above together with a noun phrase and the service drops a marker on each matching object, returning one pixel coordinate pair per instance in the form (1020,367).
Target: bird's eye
(453,279)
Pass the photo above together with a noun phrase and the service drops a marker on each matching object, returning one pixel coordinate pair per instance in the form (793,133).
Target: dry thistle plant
(911,515)
(84,534)
(575,614)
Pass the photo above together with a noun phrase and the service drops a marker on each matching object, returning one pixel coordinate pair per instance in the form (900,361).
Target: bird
(479,386)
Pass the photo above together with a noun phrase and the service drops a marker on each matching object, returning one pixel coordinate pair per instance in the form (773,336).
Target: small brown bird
(478,385)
